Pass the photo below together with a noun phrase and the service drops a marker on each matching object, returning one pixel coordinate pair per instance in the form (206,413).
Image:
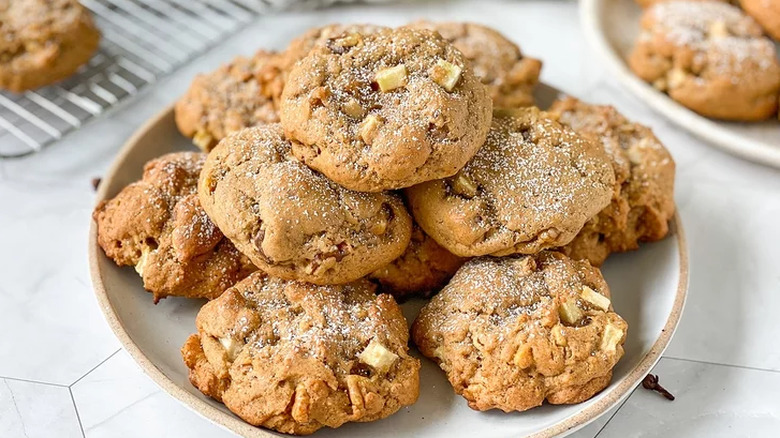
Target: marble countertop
(63,374)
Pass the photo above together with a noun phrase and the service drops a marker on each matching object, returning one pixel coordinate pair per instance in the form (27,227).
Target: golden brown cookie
(509,75)
(293,222)
(295,357)
(385,110)
(710,57)
(235,96)
(302,45)
(422,269)
(646,3)
(43,41)
(532,186)
(643,201)
(513,332)
(157,225)
(766,12)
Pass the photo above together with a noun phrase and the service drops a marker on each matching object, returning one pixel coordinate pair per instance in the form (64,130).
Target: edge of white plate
(591,18)
(240,427)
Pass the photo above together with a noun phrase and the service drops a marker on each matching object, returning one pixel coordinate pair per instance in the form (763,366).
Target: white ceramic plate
(612,26)
(648,286)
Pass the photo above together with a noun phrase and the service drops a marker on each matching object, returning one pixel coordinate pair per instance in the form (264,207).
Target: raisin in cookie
(237,95)
(295,357)
(513,332)
(293,222)
(710,57)
(766,12)
(509,75)
(423,268)
(532,186)
(157,225)
(643,201)
(386,110)
(42,42)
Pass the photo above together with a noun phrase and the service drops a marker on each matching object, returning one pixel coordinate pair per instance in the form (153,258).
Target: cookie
(509,75)
(532,186)
(709,57)
(513,332)
(643,201)
(422,269)
(291,221)
(766,13)
(302,45)
(647,3)
(42,42)
(235,96)
(386,110)
(295,357)
(157,225)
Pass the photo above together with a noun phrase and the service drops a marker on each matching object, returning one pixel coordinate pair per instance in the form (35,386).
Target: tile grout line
(616,412)
(78,416)
(744,367)
(38,382)
(95,367)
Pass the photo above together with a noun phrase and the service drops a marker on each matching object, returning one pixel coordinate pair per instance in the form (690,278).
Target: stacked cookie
(391,171)
(711,56)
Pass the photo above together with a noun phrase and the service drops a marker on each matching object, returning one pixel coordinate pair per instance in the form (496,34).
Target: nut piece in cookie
(532,186)
(237,95)
(293,222)
(643,199)
(385,110)
(709,57)
(158,226)
(422,269)
(43,41)
(513,332)
(296,357)
(509,75)
(766,13)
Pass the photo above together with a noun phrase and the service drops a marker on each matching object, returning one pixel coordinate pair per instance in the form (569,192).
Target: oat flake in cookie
(509,75)
(293,222)
(643,201)
(386,110)
(710,57)
(158,226)
(513,332)
(295,357)
(42,42)
(532,186)
(237,95)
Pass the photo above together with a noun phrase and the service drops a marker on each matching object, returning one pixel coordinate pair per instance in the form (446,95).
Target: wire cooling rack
(142,40)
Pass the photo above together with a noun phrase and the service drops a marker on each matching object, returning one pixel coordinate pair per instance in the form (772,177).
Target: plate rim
(244,429)
(709,130)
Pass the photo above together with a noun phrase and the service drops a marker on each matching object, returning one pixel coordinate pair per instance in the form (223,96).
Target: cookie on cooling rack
(532,186)
(385,110)
(42,42)
(710,57)
(643,200)
(513,332)
(422,269)
(237,95)
(293,222)
(157,225)
(509,75)
(295,357)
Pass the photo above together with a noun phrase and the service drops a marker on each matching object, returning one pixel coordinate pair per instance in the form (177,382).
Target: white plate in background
(612,26)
